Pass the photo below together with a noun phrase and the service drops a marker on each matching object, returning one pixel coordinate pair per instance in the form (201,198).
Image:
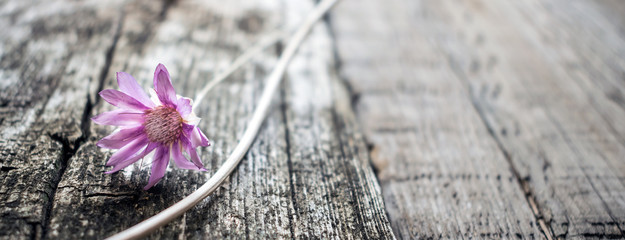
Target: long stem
(273,81)
(237,63)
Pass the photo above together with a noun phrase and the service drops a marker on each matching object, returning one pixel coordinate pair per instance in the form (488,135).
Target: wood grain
(411,119)
(544,77)
(551,101)
(442,175)
(53,55)
(306,176)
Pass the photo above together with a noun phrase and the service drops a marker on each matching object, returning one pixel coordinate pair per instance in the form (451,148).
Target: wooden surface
(491,119)
(401,119)
(442,174)
(306,176)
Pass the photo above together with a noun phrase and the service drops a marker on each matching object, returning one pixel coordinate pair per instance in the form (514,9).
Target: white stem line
(273,81)
(244,58)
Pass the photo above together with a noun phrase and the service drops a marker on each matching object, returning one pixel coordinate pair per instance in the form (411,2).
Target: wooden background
(401,119)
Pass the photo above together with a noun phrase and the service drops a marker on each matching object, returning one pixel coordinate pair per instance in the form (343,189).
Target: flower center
(163,124)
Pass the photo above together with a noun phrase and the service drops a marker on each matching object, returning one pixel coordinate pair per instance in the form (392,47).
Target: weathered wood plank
(462,102)
(306,176)
(442,174)
(546,78)
(552,101)
(51,58)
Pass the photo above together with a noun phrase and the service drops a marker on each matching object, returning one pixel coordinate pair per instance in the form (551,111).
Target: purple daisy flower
(165,123)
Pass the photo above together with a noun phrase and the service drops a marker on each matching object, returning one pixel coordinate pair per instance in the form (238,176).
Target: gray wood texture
(306,176)
(491,119)
(479,119)
(442,174)
(53,59)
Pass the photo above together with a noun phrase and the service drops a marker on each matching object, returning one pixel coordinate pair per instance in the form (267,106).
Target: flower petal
(122,100)
(198,138)
(164,88)
(128,151)
(184,106)
(195,158)
(119,117)
(187,130)
(192,119)
(127,84)
(121,138)
(125,163)
(180,160)
(154,97)
(159,166)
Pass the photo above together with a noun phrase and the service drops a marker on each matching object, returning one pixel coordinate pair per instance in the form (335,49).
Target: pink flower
(164,122)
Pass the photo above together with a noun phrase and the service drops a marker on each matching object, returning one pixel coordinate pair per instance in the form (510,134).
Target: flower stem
(273,81)
(237,63)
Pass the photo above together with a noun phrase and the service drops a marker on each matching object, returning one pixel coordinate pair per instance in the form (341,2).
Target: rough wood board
(545,78)
(52,55)
(442,174)
(551,98)
(462,102)
(306,176)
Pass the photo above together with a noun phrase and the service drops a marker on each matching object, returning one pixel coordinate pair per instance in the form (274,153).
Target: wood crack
(349,173)
(69,148)
(523,182)
(166,6)
(354,98)
(590,182)
(6,169)
(67,152)
(111,194)
(289,160)
(110,53)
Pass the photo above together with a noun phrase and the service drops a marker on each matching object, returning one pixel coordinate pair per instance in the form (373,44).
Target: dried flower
(164,122)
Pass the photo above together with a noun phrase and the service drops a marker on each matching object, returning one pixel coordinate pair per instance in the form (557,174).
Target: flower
(165,123)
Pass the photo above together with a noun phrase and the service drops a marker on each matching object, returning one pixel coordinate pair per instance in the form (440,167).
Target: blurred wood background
(404,119)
